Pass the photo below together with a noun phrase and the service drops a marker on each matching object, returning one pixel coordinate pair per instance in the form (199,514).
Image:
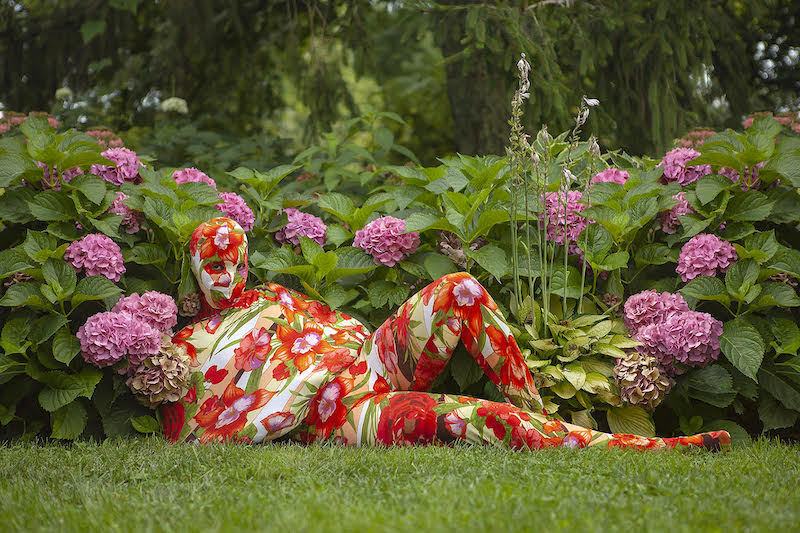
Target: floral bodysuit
(277,365)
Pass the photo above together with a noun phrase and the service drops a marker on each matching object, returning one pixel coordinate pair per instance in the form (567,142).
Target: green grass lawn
(149,485)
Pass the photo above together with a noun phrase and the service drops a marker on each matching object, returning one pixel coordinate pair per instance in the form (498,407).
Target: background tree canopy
(283,68)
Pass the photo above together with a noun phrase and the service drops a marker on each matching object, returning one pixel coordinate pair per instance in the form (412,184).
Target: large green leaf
(773,415)
(706,288)
(492,259)
(60,276)
(91,186)
(749,205)
(438,265)
(94,288)
(69,421)
(63,388)
(708,187)
(743,346)
(27,293)
(783,390)
(351,261)
(595,241)
(713,385)
(740,278)
(52,205)
(65,346)
(631,420)
(464,369)
(12,166)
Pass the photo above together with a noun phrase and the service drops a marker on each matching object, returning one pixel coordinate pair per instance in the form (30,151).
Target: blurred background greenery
(262,80)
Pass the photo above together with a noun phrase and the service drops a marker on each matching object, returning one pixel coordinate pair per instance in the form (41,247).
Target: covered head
(219,260)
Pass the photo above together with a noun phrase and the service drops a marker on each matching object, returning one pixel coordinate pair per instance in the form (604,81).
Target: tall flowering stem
(594,153)
(518,152)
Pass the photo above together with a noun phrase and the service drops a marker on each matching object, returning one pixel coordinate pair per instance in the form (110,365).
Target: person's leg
(413,345)
(408,418)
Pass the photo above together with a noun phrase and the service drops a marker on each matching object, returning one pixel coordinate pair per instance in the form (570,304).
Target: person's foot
(714,441)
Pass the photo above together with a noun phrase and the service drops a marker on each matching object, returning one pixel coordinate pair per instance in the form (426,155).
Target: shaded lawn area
(149,485)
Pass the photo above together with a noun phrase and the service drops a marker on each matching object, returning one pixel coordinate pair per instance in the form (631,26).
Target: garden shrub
(670,282)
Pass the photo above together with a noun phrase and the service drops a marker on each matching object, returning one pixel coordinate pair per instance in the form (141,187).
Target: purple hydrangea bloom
(98,255)
(156,309)
(384,240)
(675,168)
(650,307)
(669,219)
(302,224)
(104,338)
(652,338)
(611,175)
(703,255)
(187,175)
(127,167)
(235,208)
(560,223)
(131,218)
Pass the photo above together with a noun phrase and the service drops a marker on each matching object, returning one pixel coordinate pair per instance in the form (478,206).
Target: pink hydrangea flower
(104,338)
(156,309)
(98,255)
(703,255)
(142,341)
(692,337)
(127,167)
(751,180)
(695,138)
(653,342)
(669,219)
(302,224)
(187,175)
(675,168)
(611,175)
(650,307)
(105,138)
(131,218)
(561,223)
(235,208)
(384,240)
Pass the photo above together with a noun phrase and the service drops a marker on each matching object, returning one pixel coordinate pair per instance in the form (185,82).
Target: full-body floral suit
(277,365)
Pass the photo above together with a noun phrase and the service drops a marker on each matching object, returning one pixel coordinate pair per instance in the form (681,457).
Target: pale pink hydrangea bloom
(692,337)
(611,175)
(235,208)
(131,218)
(156,309)
(104,338)
(188,175)
(127,167)
(302,225)
(650,307)
(669,219)
(703,255)
(695,138)
(98,255)
(105,138)
(560,223)
(384,240)
(143,340)
(675,168)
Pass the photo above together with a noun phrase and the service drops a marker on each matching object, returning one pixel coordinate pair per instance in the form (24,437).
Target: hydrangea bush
(689,323)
